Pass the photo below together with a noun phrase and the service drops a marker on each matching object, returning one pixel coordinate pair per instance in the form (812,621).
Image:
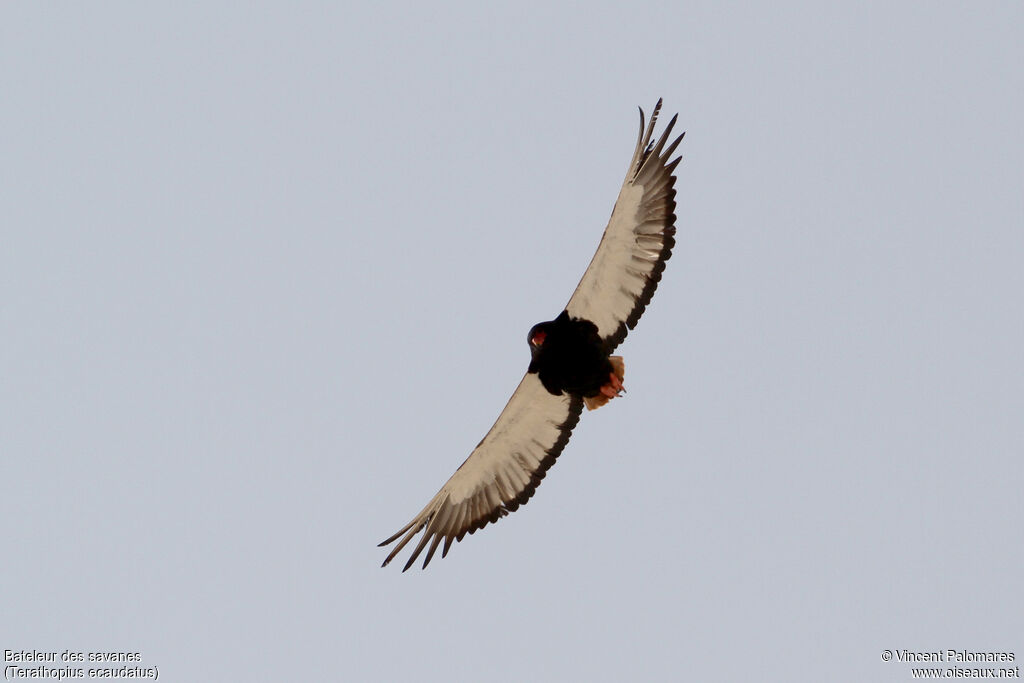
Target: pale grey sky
(266,273)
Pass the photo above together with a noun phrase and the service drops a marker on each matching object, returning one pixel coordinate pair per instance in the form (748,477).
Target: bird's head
(538,333)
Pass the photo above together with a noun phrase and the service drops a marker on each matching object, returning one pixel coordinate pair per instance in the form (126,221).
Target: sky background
(266,273)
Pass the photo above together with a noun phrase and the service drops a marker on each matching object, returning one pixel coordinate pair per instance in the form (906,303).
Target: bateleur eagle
(571,363)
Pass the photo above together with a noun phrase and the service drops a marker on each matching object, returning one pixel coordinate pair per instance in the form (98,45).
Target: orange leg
(613,388)
(616,383)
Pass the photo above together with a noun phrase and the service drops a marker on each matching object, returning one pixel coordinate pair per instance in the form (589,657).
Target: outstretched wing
(500,474)
(625,271)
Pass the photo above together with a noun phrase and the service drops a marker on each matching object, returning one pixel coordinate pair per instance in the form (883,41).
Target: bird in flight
(571,365)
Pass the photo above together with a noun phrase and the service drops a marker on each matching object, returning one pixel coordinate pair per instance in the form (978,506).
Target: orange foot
(614,387)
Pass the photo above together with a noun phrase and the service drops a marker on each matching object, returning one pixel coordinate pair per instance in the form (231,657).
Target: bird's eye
(538,337)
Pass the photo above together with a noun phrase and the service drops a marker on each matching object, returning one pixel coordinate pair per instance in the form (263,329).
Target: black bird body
(569,356)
